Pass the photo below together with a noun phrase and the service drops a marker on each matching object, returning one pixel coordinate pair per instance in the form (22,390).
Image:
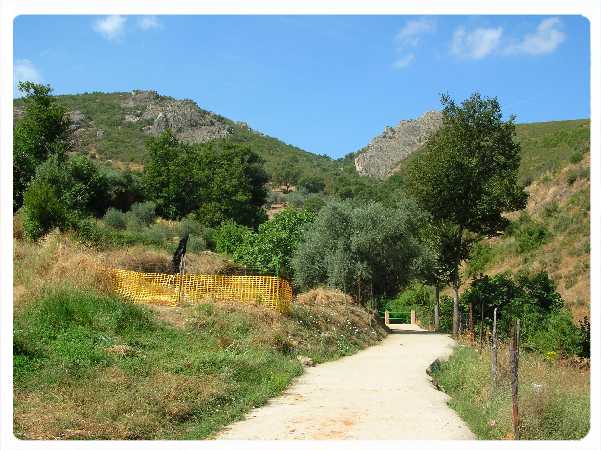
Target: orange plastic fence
(164,289)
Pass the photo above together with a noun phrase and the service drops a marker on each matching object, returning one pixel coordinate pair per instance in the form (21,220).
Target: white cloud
(148,22)
(24,70)
(410,34)
(475,44)
(404,61)
(409,37)
(110,27)
(547,37)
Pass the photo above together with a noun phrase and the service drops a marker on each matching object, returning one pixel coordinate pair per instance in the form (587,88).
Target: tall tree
(215,181)
(43,130)
(467,177)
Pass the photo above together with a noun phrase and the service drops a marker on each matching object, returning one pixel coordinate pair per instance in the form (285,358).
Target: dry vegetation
(559,203)
(89,365)
(554,397)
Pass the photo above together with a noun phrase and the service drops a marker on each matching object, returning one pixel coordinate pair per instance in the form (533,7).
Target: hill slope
(551,234)
(545,145)
(114,126)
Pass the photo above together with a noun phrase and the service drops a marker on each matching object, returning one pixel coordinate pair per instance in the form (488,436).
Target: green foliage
(467,173)
(314,203)
(63,192)
(214,181)
(528,233)
(286,173)
(355,248)
(271,249)
(481,255)
(576,157)
(115,219)
(143,213)
(554,400)
(545,324)
(312,184)
(44,130)
(125,188)
(230,236)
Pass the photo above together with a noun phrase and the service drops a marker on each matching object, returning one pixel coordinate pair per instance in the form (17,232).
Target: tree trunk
(455,309)
(436,308)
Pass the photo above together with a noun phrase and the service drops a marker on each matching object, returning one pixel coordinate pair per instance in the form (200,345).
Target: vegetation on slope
(89,365)
(551,234)
(554,398)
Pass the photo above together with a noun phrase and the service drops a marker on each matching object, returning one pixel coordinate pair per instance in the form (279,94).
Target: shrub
(115,219)
(528,234)
(272,247)
(576,157)
(190,226)
(63,192)
(572,177)
(144,212)
(314,203)
(546,325)
(230,236)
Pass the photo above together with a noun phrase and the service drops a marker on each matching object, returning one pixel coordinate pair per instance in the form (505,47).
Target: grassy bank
(89,365)
(554,396)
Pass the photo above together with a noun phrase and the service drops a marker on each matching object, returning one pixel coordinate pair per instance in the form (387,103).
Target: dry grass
(58,259)
(324,297)
(561,206)
(553,395)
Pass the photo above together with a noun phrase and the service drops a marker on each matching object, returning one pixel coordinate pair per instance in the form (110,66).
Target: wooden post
(386,317)
(514,354)
(470,320)
(413,318)
(181,279)
(493,353)
(481,323)
(436,308)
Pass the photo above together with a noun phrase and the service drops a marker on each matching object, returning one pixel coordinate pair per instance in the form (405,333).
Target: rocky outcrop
(384,153)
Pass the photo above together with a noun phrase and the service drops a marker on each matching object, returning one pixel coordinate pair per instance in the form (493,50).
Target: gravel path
(382,392)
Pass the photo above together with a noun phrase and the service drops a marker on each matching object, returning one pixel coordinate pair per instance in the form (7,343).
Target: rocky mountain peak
(383,154)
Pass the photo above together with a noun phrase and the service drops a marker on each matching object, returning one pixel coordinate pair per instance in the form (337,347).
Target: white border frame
(9,9)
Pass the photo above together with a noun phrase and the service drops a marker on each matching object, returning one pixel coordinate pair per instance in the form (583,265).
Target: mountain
(380,157)
(114,126)
(545,145)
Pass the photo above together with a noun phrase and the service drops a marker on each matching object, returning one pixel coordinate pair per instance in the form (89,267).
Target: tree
(271,248)
(43,130)
(62,193)
(312,184)
(467,177)
(286,174)
(214,181)
(362,250)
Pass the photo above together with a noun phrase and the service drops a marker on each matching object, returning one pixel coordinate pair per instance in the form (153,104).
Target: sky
(327,84)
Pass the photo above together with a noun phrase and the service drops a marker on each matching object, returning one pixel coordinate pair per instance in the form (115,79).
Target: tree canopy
(43,130)
(214,181)
(467,178)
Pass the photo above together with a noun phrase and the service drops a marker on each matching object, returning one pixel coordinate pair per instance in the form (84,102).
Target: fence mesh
(164,289)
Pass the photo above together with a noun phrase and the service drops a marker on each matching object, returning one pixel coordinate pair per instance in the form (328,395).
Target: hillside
(114,127)
(545,146)
(552,234)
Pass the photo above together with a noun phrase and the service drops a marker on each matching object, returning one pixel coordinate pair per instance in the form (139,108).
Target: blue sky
(327,84)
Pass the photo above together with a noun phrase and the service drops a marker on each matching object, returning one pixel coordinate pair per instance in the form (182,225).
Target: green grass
(92,366)
(554,399)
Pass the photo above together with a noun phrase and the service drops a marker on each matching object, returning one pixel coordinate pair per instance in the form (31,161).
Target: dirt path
(379,393)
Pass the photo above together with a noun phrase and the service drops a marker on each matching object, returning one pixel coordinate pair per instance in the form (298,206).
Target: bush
(230,236)
(529,235)
(115,219)
(314,203)
(271,249)
(63,192)
(576,157)
(545,324)
(144,213)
